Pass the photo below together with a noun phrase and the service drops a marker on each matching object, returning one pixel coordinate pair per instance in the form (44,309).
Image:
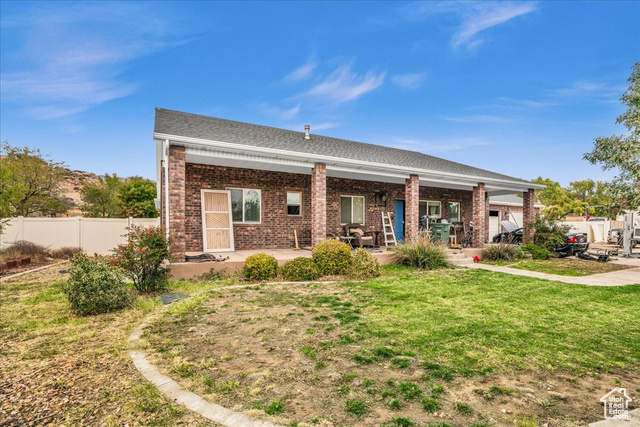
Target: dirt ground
(293,355)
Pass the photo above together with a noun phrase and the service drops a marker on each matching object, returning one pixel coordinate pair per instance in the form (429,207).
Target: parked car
(616,236)
(512,235)
(575,243)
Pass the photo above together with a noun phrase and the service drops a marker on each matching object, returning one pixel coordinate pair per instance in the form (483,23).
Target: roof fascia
(339,161)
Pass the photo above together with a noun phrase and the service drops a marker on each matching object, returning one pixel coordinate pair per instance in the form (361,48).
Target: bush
(23,249)
(500,252)
(363,265)
(66,252)
(95,287)
(142,258)
(421,253)
(260,267)
(300,269)
(537,252)
(332,257)
(548,233)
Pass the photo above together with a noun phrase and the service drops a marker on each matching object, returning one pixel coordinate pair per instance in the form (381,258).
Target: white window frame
(449,213)
(364,209)
(439,203)
(244,192)
(296,192)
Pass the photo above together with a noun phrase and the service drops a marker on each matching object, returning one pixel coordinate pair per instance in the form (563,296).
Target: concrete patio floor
(233,260)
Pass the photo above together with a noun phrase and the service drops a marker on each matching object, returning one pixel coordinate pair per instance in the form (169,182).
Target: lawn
(60,369)
(569,266)
(472,347)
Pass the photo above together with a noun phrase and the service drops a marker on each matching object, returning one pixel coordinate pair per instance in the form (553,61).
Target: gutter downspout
(165,160)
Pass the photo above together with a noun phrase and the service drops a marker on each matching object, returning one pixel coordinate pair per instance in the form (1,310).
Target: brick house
(226,185)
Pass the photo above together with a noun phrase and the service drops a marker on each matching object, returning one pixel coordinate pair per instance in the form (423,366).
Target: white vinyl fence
(93,235)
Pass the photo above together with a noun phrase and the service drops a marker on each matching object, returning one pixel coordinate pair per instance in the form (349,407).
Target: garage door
(494,224)
(516,217)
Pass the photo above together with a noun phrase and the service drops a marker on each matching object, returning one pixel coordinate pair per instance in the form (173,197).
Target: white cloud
(409,81)
(591,89)
(444,145)
(71,59)
(343,85)
(488,15)
(300,73)
(474,17)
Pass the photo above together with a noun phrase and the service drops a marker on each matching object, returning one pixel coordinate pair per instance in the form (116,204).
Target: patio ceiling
(300,163)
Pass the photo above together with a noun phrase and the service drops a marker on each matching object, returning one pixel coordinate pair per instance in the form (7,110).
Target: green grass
(568,266)
(472,321)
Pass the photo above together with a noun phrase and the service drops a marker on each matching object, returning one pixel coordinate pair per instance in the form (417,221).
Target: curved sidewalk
(615,278)
(178,394)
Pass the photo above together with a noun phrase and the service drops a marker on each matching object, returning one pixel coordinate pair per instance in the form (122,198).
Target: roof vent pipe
(307,128)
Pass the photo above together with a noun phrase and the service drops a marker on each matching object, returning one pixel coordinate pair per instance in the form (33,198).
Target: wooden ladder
(387,229)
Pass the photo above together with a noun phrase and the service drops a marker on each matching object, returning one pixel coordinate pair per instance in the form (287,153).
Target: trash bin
(440,232)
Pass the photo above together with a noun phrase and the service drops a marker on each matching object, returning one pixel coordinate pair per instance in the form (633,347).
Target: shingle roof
(178,123)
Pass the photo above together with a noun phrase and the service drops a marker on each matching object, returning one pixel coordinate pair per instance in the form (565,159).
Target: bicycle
(467,240)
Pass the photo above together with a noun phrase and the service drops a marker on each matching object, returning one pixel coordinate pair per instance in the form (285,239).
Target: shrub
(142,258)
(364,265)
(95,287)
(500,252)
(299,269)
(421,253)
(66,252)
(23,248)
(537,252)
(548,233)
(332,257)
(260,267)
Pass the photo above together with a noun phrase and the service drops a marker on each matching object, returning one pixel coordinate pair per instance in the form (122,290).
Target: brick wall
(276,229)
(318,204)
(528,216)
(479,215)
(177,202)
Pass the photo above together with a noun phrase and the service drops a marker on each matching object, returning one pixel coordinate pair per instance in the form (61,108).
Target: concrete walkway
(614,278)
(633,421)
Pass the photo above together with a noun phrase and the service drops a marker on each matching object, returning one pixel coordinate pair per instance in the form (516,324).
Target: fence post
(80,232)
(129,223)
(20,228)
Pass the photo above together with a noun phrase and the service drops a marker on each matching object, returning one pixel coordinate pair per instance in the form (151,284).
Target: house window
(245,205)
(454,212)
(294,203)
(434,210)
(352,209)
(422,209)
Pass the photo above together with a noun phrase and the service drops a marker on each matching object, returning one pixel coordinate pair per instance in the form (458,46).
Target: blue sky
(520,88)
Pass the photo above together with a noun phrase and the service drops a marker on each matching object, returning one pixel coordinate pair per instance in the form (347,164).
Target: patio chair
(360,237)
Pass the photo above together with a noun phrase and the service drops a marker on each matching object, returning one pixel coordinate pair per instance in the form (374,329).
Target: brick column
(318,204)
(487,238)
(177,202)
(528,215)
(411,207)
(479,227)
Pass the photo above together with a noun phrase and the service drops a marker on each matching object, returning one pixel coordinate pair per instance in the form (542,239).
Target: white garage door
(494,226)
(516,217)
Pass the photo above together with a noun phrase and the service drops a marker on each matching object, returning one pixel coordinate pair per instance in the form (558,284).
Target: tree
(592,193)
(557,201)
(137,196)
(622,152)
(30,183)
(102,199)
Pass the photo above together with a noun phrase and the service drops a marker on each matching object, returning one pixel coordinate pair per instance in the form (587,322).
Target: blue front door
(398,215)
